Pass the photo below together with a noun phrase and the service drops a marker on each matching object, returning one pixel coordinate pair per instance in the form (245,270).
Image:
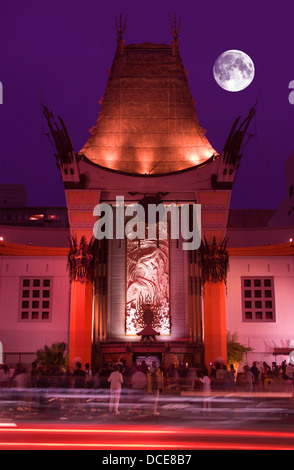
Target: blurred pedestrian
(283,369)
(20,383)
(229,379)
(125,370)
(205,380)
(88,376)
(96,379)
(275,370)
(138,386)
(248,379)
(290,371)
(79,376)
(289,376)
(220,377)
(4,375)
(20,377)
(144,367)
(213,369)
(116,381)
(255,371)
(206,388)
(266,375)
(34,374)
(174,375)
(156,380)
(88,371)
(138,380)
(104,375)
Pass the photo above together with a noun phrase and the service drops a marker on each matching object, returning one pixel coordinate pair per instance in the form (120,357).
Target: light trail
(190,432)
(87,431)
(147,446)
(140,438)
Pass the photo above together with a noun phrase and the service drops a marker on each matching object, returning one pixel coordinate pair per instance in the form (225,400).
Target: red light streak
(146,438)
(189,432)
(148,446)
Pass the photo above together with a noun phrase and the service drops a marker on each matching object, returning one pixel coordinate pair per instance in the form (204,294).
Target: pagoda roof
(147,123)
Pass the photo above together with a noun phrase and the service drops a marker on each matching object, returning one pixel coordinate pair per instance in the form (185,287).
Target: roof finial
(120,27)
(175,28)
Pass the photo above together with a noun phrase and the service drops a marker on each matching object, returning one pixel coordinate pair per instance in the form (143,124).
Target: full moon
(233,70)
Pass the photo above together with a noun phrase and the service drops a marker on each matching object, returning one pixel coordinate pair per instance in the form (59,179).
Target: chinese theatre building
(150,298)
(135,298)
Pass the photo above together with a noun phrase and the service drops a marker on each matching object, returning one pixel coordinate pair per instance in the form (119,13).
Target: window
(35,299)
(258,303)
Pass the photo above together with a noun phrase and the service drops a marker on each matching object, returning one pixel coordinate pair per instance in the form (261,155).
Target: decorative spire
(175,29)
(120,32)
(120,27)
(64,152)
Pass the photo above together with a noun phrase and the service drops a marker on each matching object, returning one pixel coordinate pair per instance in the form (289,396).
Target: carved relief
(214,261)
(81,260)
(147,285)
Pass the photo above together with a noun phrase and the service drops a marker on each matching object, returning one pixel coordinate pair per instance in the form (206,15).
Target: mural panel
(148,285)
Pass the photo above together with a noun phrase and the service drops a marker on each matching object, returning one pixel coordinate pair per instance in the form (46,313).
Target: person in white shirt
(206,389)
(205,380)
(116,380)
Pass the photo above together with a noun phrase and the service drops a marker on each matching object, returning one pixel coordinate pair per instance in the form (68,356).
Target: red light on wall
(36,217)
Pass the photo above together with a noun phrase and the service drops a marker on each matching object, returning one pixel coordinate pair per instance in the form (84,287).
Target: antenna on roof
(175,27)
(120,27)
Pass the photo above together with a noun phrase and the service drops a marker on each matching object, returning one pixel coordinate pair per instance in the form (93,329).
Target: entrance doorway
(151,361)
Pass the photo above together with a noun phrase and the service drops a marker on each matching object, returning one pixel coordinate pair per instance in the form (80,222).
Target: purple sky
(63,48)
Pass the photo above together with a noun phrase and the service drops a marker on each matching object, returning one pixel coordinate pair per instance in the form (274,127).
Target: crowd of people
(112,376)
(255,378)
(265,376)
(118,375)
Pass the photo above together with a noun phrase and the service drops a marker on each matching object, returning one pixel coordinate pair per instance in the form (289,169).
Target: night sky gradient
(62,49)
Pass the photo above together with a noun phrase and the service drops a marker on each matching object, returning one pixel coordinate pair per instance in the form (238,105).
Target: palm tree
(56,355)
(235,350)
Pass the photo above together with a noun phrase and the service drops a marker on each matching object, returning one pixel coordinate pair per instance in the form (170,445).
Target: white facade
(19,336)
(262,336)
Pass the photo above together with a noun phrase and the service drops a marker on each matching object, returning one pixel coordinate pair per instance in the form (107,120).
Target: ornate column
(194,298)
(100,292)
(81,261)
(213,263)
